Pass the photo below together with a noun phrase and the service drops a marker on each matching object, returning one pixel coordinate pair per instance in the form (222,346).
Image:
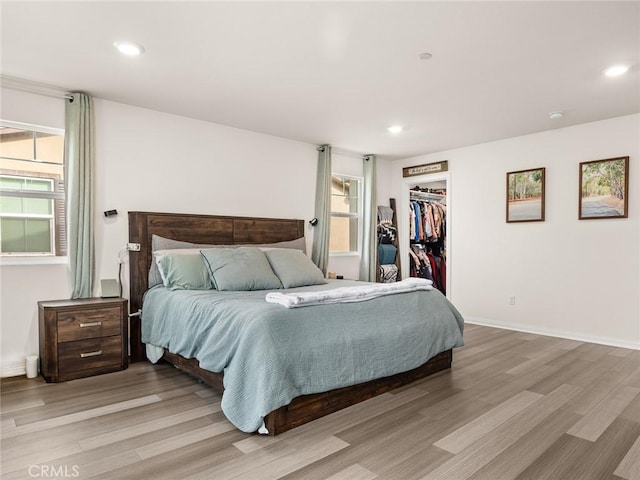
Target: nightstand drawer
(84,324)
(89,354)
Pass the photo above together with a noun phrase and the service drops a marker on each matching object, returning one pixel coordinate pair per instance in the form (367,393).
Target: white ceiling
(341,72)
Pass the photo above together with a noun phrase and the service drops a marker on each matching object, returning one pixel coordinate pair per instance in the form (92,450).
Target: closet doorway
(425,238)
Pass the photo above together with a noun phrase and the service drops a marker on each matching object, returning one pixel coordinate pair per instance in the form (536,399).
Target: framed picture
(604,189)
(525,196)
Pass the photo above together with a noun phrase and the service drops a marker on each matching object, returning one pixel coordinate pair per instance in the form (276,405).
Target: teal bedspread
(270,354)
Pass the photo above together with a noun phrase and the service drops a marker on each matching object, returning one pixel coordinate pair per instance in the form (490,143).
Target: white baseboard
(13,369)
(613,342)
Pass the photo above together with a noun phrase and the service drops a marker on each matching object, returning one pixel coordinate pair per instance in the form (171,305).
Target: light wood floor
(514,406)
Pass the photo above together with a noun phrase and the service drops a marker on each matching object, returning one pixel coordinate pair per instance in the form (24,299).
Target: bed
(290,410)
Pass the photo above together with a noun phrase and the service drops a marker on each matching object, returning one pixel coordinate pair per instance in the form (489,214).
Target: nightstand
(81,338)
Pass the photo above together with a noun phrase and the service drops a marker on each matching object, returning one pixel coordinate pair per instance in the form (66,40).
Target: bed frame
(223,230)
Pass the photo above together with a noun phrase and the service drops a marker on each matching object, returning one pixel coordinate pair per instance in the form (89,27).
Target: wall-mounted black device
(110,213)
(313,222)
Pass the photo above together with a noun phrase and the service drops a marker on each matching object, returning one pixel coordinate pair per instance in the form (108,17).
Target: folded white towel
(348,294)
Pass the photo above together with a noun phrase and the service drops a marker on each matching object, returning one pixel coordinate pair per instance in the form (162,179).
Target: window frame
(359,216)
(58,252)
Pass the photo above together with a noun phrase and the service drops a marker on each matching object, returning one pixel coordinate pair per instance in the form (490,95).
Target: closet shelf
(426,196)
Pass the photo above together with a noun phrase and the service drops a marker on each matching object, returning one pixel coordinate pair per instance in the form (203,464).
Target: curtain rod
(38,88)
(347,153)
(343,153)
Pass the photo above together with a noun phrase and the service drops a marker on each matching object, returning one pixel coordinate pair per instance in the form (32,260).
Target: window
(32,220)
(346,208)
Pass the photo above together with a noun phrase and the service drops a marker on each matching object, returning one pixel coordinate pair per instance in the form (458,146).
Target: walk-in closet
(428,232)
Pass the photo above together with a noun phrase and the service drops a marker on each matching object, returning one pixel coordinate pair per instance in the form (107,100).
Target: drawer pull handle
(91,354)
(90,324)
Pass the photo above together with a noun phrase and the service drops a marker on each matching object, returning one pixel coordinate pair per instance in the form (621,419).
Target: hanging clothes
(419,263)
(387,245)
(387,254)
(386,230)
(427,220)
(388,273)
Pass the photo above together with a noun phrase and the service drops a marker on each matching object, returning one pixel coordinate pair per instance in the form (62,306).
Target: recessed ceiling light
(395,128)
(425,56)
(616,70)
(556,115)
(129,48)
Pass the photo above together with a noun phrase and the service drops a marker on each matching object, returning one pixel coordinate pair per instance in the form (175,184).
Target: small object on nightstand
(109,288)
(81,338)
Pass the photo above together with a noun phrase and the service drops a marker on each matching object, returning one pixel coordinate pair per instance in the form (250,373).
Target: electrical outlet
(133,247)
(512,300)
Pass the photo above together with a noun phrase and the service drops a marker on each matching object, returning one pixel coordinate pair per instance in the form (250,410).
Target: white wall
(151,161)
(571,278)
(383,180)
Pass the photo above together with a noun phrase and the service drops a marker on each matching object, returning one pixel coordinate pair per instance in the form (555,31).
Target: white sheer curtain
(79,153)
(320,250)
(368,263)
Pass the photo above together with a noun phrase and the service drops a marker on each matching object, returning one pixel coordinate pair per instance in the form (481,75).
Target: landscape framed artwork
(525,195)
(604,189)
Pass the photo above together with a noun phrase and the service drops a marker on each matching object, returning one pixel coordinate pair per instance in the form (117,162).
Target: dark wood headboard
(207,229)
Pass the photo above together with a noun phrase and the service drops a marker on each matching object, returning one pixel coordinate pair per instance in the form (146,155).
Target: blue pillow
(183,271)
(242,268)
(162,243)
(294,268)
